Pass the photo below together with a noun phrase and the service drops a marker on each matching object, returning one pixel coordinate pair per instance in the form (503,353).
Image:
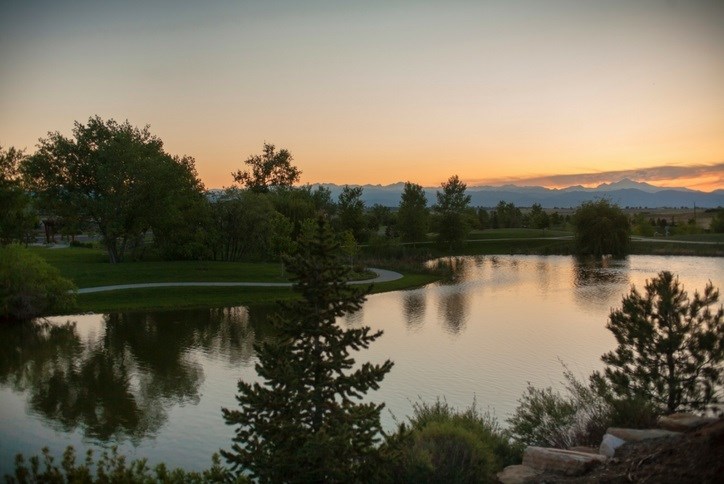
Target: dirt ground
(694,457)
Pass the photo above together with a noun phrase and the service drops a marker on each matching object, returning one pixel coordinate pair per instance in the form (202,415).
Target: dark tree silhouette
(413,215)
(452,203)
(601,228)
(670,348)
(303,423)
(270,169)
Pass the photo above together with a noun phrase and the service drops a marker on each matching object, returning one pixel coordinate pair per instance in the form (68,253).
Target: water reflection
(453,308)
(413,306)
(599,282)
(120,383)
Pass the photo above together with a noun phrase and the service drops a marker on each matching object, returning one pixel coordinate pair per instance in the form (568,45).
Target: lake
(154,383)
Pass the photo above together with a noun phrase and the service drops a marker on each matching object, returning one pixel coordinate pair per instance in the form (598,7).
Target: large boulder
(518,475)
(560,461)
(636,435)
(609,444)
(681,422)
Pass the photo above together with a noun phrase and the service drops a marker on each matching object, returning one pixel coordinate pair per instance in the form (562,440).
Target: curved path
(382,276)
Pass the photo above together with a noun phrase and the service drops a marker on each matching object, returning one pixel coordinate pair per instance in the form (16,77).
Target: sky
(551,93)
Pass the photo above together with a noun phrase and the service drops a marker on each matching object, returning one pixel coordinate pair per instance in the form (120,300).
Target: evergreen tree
(413,215)
(304,422)
(670,348)
(452,204)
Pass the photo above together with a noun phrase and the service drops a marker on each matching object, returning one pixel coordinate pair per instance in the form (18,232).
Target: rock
(680,422)
(517,475)
(636,435)
(559,461)
(609,444)
(585,449)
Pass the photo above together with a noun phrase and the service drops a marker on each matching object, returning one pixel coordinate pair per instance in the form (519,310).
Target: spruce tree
(670,348)
(304,421)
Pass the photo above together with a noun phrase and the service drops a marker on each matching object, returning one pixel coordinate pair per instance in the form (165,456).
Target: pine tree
(304,422)
(670,348)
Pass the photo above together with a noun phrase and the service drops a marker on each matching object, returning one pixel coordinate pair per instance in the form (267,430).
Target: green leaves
(304,421)
(670,347)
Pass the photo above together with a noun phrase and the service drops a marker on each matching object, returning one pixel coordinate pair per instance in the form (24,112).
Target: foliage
(302,422)
(670,347)
(180,230)
(242,227)
(29,286)
(452,204)
(717,222)
(17,216)
(413,215)
(109,468)
(442,444)
(508,215)
(114,175)
(601,228)
(538,218)
(270,169)
(351,212)
(580,416)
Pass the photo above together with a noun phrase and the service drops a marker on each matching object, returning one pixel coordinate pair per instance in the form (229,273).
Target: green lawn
(516,234)
(90,268)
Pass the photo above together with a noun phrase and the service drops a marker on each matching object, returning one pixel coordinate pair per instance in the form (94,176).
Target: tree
(670,348)
(538,218)
(241,226)
(413,217)
(270,169)
(17,216)
(303,423)
(113,174)
(351,211)
(452,204)
(601,228)
(508,215)
(29,286)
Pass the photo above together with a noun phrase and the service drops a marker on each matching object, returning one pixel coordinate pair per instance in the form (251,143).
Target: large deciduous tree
(413,215)
(270,169)
(601,228)
(351,212)
(303,422)
(670,347)
(452,203)
(113,174)
(17,215)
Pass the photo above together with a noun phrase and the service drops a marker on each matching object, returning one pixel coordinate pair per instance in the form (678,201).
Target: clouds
(708,175)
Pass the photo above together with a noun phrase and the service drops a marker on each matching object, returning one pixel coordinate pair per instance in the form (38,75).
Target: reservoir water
(154,383)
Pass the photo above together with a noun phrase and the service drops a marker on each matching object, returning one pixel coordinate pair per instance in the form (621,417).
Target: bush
(579,416)
(30,287)
(442,444)
(601,228)
(109,468)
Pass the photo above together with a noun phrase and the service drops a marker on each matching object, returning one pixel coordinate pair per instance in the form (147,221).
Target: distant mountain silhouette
(625,193)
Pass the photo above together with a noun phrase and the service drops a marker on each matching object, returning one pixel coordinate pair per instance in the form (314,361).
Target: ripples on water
(154,382)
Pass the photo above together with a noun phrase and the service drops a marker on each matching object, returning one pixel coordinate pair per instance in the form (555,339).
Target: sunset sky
(552,93)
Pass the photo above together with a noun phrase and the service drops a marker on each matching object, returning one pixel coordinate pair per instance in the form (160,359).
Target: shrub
(442,444)
(578,416)
(29,286)
(109,468)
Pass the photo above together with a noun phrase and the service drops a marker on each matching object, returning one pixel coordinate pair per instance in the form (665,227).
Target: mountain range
(624,193)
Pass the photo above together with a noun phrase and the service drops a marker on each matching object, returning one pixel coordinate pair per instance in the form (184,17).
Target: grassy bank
(90,268)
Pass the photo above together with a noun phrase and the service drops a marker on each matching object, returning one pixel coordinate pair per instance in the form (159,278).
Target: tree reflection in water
(413,305)
(120,382)
(599,282)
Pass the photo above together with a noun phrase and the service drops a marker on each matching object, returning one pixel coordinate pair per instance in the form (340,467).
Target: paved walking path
(382,276)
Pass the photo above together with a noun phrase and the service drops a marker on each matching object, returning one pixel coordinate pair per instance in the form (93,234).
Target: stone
(636,435)
(681,422)
(609,444)
(560,461)
(585,449)
(518,475)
